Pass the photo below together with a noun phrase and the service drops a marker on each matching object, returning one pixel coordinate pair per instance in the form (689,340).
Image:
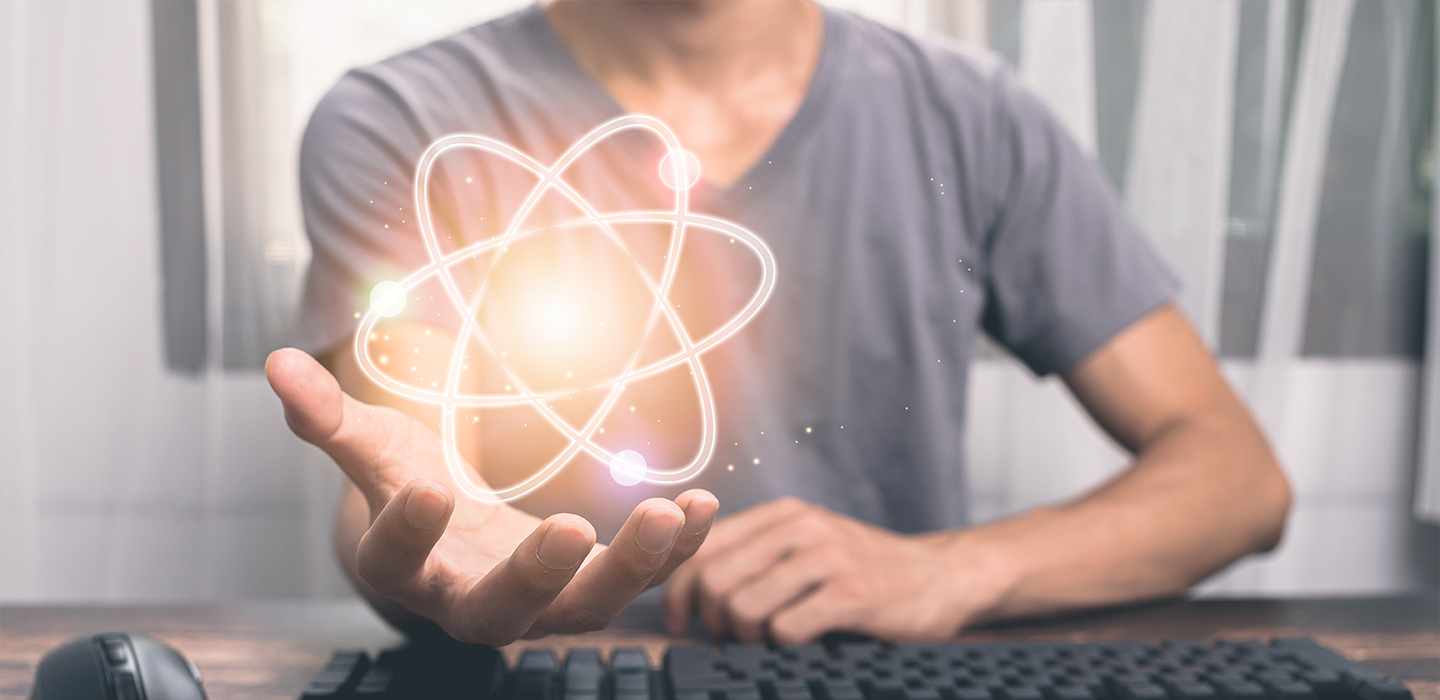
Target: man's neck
(726,76)
(700,44)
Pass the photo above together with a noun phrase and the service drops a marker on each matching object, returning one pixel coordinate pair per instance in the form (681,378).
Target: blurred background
(1280,153)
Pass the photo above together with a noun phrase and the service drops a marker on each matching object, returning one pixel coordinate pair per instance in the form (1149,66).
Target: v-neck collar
(577,81)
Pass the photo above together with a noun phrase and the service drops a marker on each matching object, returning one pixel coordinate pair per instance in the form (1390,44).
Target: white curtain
(1427,482)
(122,479)
(1343,426)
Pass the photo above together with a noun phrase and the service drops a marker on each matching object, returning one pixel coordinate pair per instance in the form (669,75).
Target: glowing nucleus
(556,315)
(557,311)
(685,169)
(627,467)
(387,299)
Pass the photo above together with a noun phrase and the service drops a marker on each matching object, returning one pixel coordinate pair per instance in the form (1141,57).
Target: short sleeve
(1066,267)
(356,159)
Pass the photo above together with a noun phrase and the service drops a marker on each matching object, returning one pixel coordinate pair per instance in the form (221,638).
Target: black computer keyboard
(1285,669)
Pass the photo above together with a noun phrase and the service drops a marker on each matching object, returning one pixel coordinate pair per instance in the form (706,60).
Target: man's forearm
(1201,493)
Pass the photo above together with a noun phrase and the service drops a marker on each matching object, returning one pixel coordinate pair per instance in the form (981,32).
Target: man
(913,196)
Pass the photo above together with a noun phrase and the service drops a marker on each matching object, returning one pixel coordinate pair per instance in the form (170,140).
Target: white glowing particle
(627,467)
(680,170)
(387,299)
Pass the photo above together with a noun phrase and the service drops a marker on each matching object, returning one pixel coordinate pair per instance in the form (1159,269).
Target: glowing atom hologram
(679,170)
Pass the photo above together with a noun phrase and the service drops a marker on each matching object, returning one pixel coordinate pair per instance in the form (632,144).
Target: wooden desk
(269,650)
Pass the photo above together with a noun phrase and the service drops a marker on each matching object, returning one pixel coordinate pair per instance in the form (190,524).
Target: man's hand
(486,573)
(1203,490)
(792,571)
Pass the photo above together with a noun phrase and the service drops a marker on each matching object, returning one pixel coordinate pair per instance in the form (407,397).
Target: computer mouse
(116,666)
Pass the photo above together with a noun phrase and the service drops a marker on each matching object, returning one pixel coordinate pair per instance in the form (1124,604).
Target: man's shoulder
(505,43)
(440,83)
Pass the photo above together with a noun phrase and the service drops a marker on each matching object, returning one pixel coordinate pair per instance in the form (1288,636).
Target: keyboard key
(1093,683)
(1192,691)
(538,661)
(1140,691)
(1178,678)
(1288,690)
(1324,681)
(315,690)
(1070,692)
(688,658)
(341,672)
(840,690)
(1027,692)
(629,659)
(582,682)
(1241,690)
(348,665)
(374,684)
(630,681)
(707,682)
(972,693)
(536,675)
(1383,688)
(921,694)
(886,689)
(583,660)
(781,686)
(859,650)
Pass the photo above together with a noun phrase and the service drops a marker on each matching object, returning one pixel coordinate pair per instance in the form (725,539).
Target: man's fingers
(624,570)
(728,570)
(763,597)
(700,507)
(681,596)
(505,604)
(392,553)
(745,525)
(725,572)
(816,614)
(375,446)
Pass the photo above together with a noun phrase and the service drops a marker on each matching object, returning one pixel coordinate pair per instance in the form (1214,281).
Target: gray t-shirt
(918,197)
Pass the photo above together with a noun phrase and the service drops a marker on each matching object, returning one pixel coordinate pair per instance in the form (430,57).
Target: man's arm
(1204,490)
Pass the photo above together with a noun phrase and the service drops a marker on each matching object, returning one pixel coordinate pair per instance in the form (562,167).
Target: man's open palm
(486,573)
